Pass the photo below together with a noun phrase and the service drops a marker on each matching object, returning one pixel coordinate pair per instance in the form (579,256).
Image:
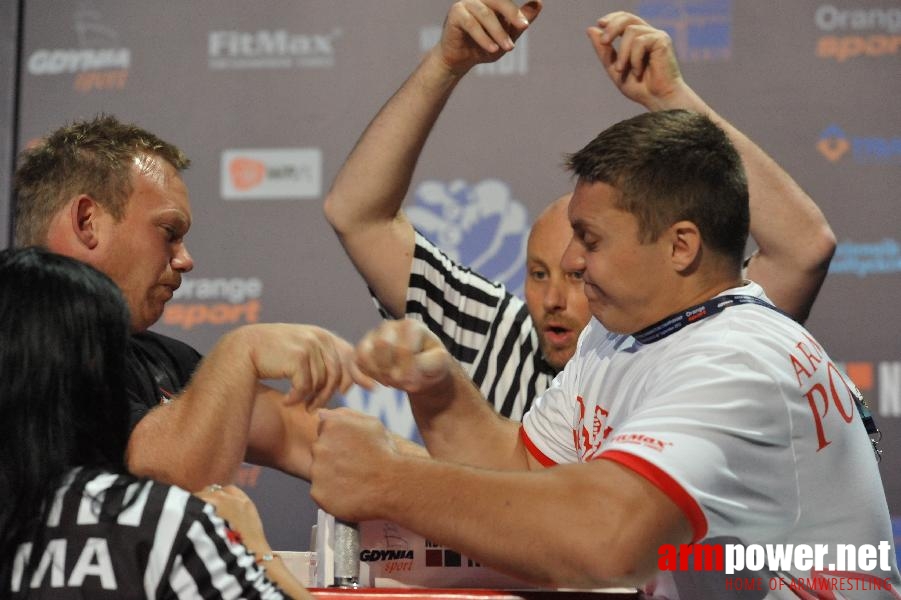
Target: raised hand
(482,31)
(644,67)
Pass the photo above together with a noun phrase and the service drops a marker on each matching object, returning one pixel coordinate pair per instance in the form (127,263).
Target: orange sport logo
(851,33)
(217,301)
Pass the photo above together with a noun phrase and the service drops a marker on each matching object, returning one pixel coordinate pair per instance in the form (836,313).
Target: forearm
(466,428)
(566,526)
(373,181)
(364,203)
(199,438)
(794,240)
(281,436)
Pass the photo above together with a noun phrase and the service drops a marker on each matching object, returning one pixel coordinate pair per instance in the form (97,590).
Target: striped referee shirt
(113,536)
(487,329)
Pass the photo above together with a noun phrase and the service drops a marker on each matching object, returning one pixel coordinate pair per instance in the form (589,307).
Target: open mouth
(557,334)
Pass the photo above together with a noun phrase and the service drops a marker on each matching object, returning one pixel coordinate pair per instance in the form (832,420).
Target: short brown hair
(93,157)
(670,166)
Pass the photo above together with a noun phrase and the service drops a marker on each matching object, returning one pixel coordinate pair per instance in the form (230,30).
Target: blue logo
(389,405)
(701,29)
(834,144)
(863,259)
(480,226)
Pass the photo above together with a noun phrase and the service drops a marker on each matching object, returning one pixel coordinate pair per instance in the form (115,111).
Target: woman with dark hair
(73,522)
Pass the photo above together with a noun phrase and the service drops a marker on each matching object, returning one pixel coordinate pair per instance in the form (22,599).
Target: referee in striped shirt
(510,348)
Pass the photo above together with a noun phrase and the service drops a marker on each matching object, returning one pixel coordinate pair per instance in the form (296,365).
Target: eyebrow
(177,215)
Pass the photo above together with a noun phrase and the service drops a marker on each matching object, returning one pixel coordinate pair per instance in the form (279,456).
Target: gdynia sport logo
(818,567)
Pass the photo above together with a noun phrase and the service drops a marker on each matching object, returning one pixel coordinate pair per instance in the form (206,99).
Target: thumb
(432,364)
(531,9)
(606,52)
(360,378)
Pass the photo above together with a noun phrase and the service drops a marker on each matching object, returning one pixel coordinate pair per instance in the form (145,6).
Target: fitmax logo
(270,49)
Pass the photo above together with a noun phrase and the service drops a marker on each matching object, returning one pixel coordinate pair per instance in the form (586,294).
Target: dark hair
(63,341)
(670,166)
(92,157)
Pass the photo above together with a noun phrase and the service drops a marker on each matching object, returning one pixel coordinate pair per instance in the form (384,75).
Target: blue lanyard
(673,323)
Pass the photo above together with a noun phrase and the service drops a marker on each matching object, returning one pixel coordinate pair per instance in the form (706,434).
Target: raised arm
(225,414)
(364,203)
(795,243)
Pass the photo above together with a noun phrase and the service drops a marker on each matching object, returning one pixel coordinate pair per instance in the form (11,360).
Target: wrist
(681,96)
(265,558)
(443,71)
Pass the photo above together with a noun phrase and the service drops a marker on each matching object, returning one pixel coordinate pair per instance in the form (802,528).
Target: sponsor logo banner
(270,49)
(701,30)
(264,174)
(880,383)
(834,144)
(480,225)
(866,258)
(99,63)
(222,301)
(858,32)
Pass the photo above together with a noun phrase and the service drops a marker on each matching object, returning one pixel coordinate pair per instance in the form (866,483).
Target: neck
(707,292)
(689,296)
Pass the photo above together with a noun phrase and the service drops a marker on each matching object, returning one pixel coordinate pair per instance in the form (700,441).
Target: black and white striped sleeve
(487,329)
(195,554)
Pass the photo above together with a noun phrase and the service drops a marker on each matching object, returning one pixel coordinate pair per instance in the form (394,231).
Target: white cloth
(741,418)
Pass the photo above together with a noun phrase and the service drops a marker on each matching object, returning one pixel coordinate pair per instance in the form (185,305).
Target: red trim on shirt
(533,449)
(665,484)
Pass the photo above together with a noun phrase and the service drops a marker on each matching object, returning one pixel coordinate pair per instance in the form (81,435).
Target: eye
(590,242)
(538,274)
(172,234)
(575,275)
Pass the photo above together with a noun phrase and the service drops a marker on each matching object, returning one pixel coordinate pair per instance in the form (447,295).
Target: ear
(685,238)
(84,213)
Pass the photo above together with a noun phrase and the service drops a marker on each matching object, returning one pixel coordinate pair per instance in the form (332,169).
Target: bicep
(383,255)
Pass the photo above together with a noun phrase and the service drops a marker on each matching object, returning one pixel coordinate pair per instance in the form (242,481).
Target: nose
(573,260)
(554,294)
(182,260)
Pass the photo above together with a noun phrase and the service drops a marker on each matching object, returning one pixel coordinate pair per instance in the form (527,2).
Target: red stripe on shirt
(665,484)
(533,449)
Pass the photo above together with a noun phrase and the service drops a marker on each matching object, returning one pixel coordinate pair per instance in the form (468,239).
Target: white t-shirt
(741,418)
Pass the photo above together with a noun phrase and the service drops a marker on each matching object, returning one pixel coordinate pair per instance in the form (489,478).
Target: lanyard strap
(673,323)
